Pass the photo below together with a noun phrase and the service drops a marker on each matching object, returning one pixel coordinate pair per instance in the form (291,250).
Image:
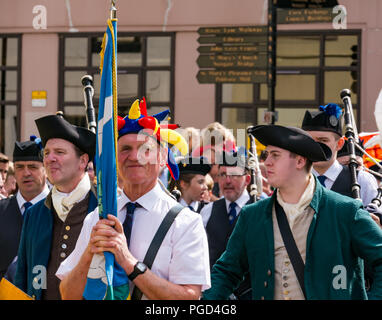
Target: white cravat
(64,202)
(293,210)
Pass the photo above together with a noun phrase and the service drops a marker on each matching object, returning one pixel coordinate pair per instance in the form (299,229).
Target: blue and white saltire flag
(106,279)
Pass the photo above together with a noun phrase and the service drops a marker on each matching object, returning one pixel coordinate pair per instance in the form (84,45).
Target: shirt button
(65,236)
(287,262)
(67,228)
(64,246)
(63,255)
(287,298)
(285,278)
(285,292)
(285,285)
(286,270)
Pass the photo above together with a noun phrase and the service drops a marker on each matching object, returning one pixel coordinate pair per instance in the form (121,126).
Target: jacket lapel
(314,204)
(268,227)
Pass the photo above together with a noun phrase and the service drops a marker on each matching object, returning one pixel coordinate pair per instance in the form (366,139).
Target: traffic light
(354,64)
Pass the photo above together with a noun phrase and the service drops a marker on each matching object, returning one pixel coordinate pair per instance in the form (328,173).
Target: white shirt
(20,199)
(183,257)
(241,201)
(194,204)
(366,180)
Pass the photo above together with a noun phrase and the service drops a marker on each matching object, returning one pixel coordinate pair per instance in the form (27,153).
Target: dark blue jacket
(35,246)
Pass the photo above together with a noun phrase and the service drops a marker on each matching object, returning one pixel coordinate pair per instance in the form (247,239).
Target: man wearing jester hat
(181,268)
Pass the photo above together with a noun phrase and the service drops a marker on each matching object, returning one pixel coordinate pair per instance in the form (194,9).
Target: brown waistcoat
(64,238)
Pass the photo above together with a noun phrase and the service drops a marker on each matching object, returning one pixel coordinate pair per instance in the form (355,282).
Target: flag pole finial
(113,10)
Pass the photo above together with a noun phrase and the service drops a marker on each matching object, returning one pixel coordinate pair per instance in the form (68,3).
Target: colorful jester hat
(137,121)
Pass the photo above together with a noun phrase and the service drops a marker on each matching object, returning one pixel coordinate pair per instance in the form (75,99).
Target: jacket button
(265,284)
(67,228)
(262,298)
(269,272)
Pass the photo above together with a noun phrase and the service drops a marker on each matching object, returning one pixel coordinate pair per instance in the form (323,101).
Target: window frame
(140,70)
(320,76)
(17,102)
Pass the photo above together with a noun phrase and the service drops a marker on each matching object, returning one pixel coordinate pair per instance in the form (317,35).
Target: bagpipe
(87,82)
(256,186)
(351,134)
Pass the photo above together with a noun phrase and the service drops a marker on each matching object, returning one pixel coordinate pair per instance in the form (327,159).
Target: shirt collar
(241,201)
(20,199)
(147,201)
(333,172)
(193,204)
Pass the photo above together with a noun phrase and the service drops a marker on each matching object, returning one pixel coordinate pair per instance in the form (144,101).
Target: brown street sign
(233,61)
(233,39)
(287,16)
(261,47)
(302,4)
(232,76)
(233,30)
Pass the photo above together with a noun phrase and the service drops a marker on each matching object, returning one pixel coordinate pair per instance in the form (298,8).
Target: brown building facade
(47,46)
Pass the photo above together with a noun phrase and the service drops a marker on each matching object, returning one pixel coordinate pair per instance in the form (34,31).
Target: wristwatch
(139,268)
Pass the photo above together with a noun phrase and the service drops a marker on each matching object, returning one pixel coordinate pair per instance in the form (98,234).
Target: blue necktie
(191,208)
(27,204)
(128,223)
(232,212)
(322,179)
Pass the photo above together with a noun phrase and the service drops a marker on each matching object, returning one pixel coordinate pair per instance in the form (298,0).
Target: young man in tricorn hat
(51,227)
(30,177)
(304,242)
(325,125)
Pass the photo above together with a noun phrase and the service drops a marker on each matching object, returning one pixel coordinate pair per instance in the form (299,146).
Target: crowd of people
(189,225)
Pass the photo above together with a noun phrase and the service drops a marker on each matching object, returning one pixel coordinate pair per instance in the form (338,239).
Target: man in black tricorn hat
(51,227)
(325,126)
(304,242)
(30,178)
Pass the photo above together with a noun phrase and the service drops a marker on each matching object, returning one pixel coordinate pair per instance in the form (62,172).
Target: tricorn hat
(345,150)
(28,150)
(328,118)
(234,158)
(54,126)
(194,165)
(292,139)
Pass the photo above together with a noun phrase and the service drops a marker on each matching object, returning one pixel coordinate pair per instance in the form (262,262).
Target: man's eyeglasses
(223,175)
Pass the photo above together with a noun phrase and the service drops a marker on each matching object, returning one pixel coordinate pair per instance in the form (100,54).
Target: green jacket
(340,234)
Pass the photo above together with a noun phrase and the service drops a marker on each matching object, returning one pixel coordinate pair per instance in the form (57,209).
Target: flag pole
(113,10)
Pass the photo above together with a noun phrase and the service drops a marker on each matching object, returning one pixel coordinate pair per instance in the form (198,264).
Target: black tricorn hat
(194,165)
(233,158)
(376,168)
(28,150)
(292,139)
(329,118)
(55,126)
(345,150)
